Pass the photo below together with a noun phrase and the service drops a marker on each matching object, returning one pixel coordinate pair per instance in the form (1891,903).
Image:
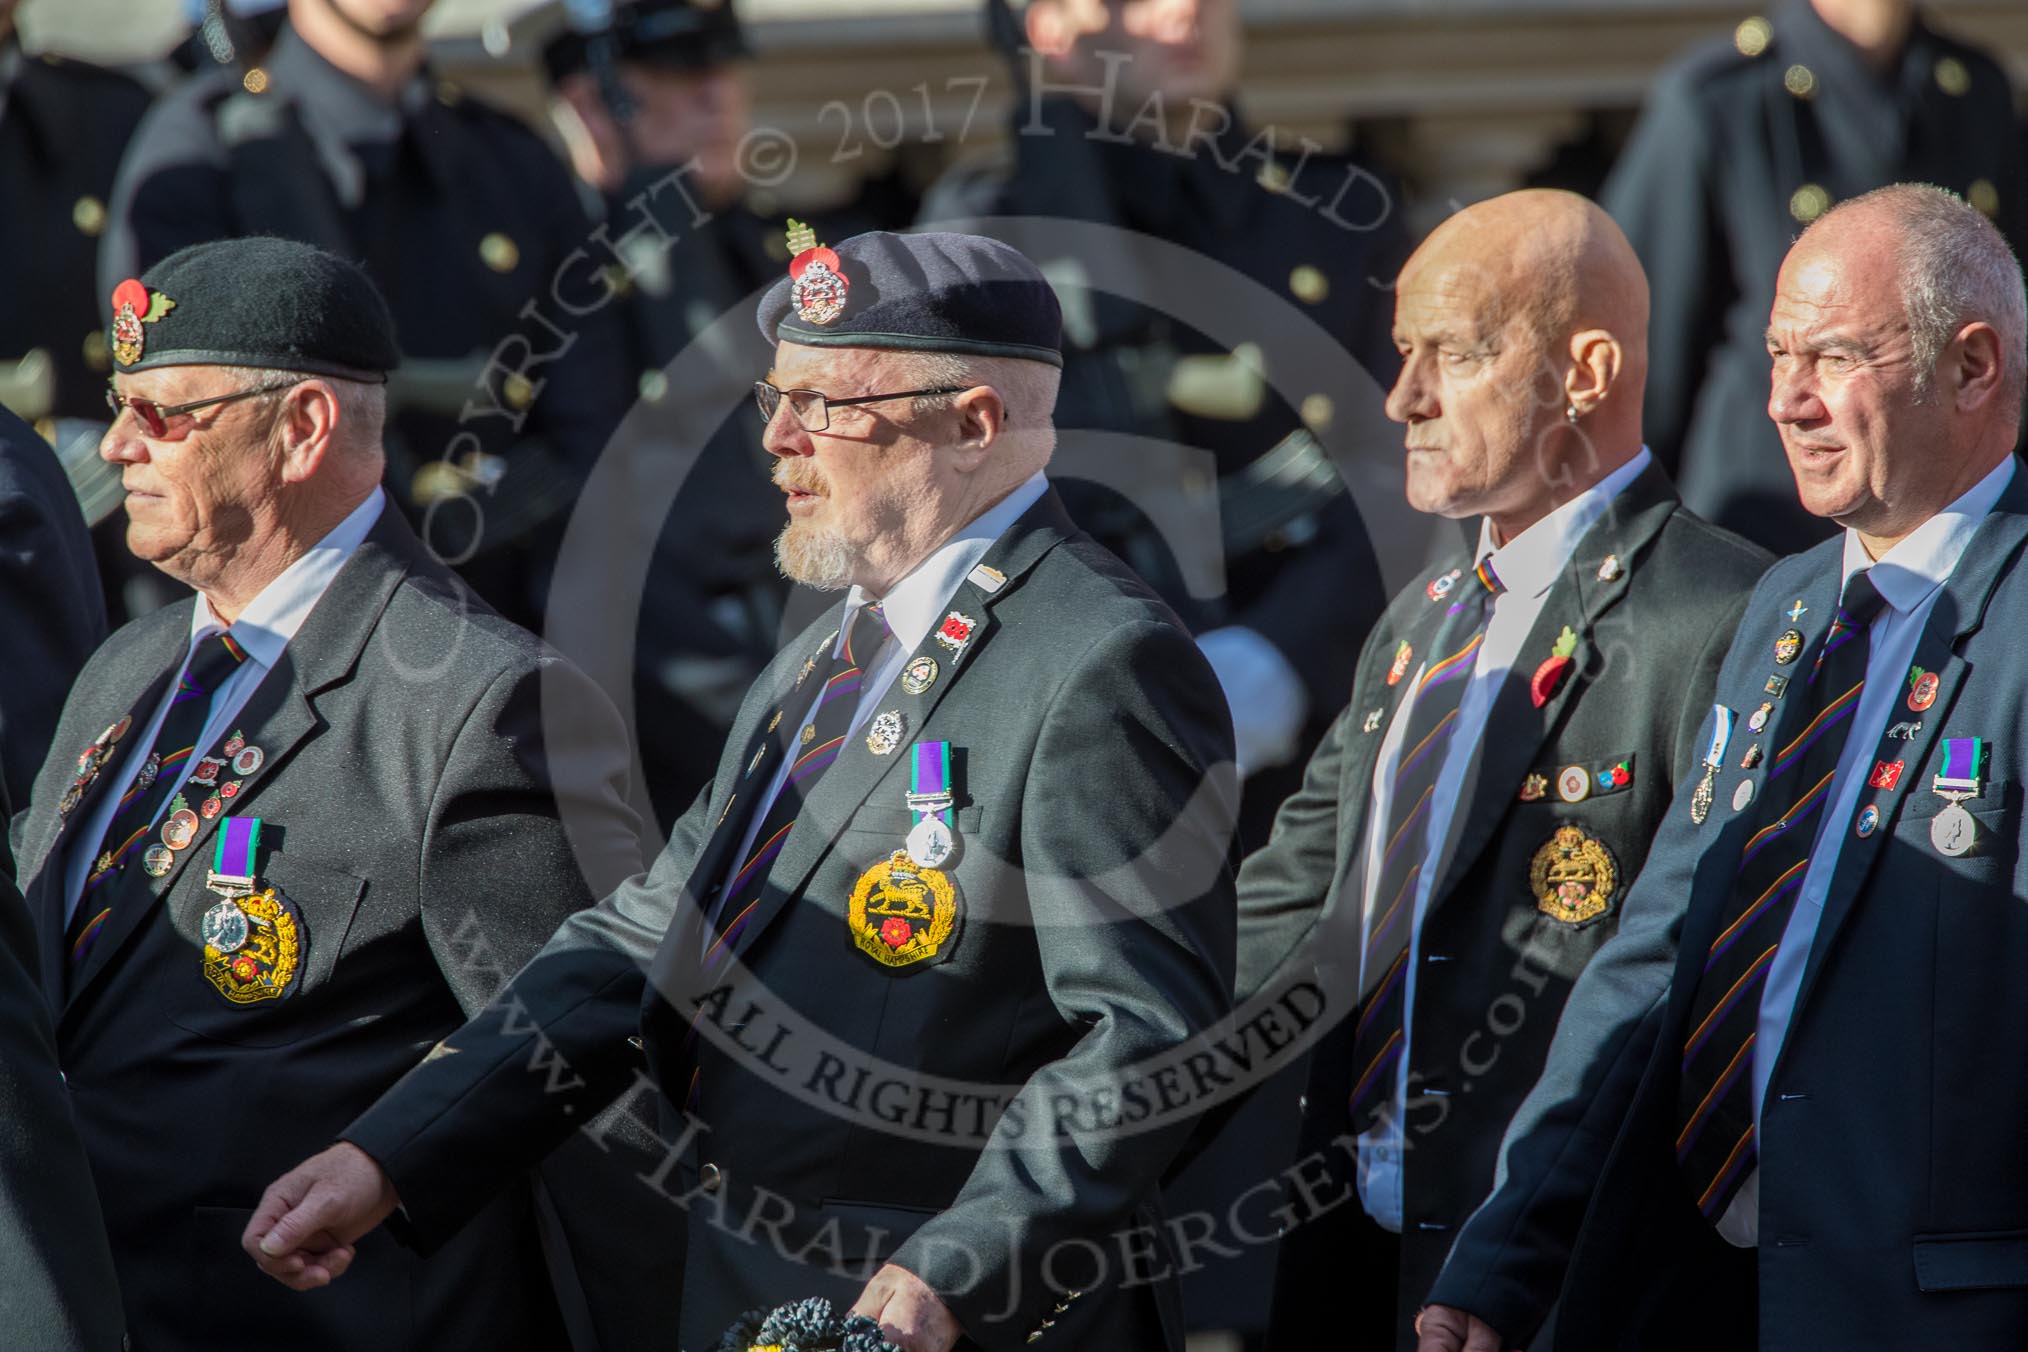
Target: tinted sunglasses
(154,418)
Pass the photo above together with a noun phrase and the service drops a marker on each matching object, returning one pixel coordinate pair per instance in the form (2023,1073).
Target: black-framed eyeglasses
(154,417)
(812,408)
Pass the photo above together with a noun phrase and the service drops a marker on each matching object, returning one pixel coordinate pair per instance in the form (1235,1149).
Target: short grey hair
(362,405)
(1956,269)
(1027,388)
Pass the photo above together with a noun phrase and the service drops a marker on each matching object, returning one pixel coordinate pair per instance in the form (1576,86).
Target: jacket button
(711,1178)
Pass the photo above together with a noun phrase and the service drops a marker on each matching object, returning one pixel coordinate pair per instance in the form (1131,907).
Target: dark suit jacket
(50,606)
(1323,244)
(432,827)
(57,1289)
(1092,752)
(1893,1198)
(1497,959)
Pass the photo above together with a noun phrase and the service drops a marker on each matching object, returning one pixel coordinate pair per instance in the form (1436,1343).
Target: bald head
(1552,259)
(1523,326)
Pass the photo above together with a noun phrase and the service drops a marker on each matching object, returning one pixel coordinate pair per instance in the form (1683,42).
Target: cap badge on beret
(819,288)
(133,306)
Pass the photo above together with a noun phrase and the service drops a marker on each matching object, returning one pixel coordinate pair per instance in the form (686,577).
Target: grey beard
(817,559)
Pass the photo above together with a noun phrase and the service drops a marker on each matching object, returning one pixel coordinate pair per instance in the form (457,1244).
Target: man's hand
(308,1220)
(911,1316)
(1441,1328)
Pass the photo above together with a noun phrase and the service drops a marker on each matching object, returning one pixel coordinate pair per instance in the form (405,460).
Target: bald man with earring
(1521,716)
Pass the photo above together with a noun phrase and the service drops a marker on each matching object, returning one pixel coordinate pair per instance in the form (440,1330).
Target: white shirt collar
(1530,563)
(914,605)
(272,618)
(1924,561)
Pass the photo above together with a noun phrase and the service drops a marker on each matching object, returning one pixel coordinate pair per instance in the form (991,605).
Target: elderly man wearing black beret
(295,828)
(912,970)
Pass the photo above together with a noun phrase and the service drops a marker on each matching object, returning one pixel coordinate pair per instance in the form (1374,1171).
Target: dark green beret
(254,302)
(933,292)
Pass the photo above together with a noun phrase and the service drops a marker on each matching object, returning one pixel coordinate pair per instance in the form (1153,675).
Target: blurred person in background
(653,101)
(1744,142)
(63,126)
(1126,116)
(343,137)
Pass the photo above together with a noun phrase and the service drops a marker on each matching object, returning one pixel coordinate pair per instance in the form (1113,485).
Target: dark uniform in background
(51,613)
(1744,142)
(63,126)
(236,33)
(1262,534)
(716,611)
(463,217)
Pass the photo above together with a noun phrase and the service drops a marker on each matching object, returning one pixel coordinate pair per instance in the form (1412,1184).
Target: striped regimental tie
(1432,716)
(1715,1117)
(812,748)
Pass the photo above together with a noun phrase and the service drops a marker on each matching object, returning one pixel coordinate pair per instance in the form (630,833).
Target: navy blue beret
(935,292)
(254,302)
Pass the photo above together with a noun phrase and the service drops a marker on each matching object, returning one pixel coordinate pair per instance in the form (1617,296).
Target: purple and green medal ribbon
(1963,760)
(929,780)
(238,837)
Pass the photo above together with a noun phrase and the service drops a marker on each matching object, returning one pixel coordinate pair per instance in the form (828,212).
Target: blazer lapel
(280,715)
(857,771)
(1516,727)
(1377,696)
(1959,612)
(46,856)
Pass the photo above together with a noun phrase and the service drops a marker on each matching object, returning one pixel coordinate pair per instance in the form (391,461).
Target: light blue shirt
(1528,566)
(1910,577)
(263,629)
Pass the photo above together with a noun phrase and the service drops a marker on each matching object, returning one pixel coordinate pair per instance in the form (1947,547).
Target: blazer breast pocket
(261,980)
(903,915)
(1979,845)
(1980,1261)
(895,822)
